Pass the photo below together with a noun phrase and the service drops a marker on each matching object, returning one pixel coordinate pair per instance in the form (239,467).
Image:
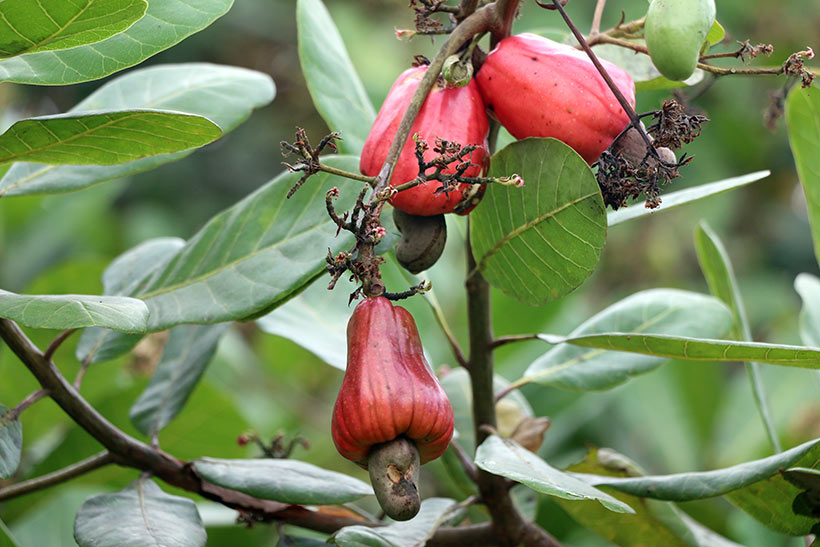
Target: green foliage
(11,443)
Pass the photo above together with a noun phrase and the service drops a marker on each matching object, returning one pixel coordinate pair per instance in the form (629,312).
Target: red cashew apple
(388,389)
(540,88)
(454,114)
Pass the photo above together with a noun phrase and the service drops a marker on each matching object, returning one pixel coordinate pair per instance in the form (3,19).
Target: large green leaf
(47,25)
(641,69)
(253,256)
(6,538)
(506,458)
(72,311)
(166,23)
(11,443)
(104,138)
(186,354)
(539,242)
(286,481)
(225,95)
(803,123)
(332,80)
(684,197)
(123,277)
(141,514)
(706,484)
(655,522)
(662,311)
(720,276)
(779,503)
(695,349)
(414,532)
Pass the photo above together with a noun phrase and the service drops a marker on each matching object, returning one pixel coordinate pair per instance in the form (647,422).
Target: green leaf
(715,34)
(662,311)
(186,354)
(778,502)
(166,22)
(225,95)
(506,458)
(803,124)
(6,538)
(539,242)
(717,268)
(253,256)
(73,311)
(104,138)
(683,197)
(11,443)
(332,80)
(123,277)
(695,349)
(47,25)
(141,514)
(641,70)
(433,513)
(706,484)
(654,522)
(808,287)
(286,481)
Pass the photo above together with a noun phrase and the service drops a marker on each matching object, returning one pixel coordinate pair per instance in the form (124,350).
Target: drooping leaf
(47,25)
(684,197)
(186,354)
(123,277)
(695,349)
(165,23)
(506,458)
(654,522)
(782,503)
(283,480)
(803,124)
(663,311)
(225,95)
(539,242)
(808,287)
(11,443)
(253,256)
(140,514)
(72,311)
(414,532)
(706,484)
(332,80)
(717,268)
(104,138)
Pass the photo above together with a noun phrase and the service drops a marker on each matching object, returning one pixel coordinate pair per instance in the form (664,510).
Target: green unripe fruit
(675,31)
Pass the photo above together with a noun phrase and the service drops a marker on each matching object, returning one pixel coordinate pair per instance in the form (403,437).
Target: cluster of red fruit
(533,86)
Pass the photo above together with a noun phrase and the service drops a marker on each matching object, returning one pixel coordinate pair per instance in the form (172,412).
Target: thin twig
(596,17)
(503,340)
(52,347)
(67,473)
(27,402)
(465,460)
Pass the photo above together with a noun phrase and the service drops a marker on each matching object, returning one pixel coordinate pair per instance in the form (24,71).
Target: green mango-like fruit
(675,31)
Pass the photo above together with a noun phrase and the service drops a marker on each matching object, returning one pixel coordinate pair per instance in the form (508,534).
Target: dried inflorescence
(795,66)
(674,127)
(308,162)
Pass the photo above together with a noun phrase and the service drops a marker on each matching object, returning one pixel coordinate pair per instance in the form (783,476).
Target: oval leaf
(225,95)
(47,25)
(641,69)
(333,83)
(803,124)
(141,514)
(186,355)
(506,458)
(539,242)
(414,532)
(286,481)
(683,197)
(71,311)
(664,311)
(105,138)
(123,277)
(706,484)
(253,256)
(11,443)
(165,23)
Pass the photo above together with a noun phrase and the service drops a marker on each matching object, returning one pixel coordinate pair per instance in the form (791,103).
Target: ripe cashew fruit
(540,88)
(453,114)
(675,31)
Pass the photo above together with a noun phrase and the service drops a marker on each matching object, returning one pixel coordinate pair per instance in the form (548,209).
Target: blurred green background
(684,416)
